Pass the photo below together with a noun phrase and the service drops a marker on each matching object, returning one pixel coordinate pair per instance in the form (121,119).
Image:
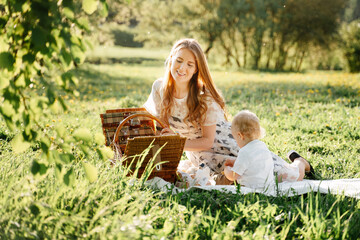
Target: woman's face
(183,66)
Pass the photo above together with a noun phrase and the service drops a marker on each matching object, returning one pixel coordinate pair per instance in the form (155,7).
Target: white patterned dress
(224,147)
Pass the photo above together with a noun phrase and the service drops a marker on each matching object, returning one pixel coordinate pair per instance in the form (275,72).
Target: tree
(40,42)
(351,44)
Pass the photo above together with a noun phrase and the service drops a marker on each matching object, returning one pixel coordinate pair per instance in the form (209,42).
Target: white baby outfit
(255,165)
(224,147)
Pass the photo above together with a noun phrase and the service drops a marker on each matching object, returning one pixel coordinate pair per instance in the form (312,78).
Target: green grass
(316,113)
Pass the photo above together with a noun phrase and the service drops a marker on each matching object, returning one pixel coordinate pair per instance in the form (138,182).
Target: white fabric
(255,165)
(347,187)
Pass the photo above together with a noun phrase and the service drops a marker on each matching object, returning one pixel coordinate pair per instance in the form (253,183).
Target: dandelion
(95,99)
(52,138)
(71,129)
(327,125)
(277,114)
(53,120)
(338,100)
(59,120)
(47,125)
(290,114)
(310,91)
(315,132)
(316,90)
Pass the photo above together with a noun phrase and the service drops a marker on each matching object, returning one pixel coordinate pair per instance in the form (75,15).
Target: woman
(187,100)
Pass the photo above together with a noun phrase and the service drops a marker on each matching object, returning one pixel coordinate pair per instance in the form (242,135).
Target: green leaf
(66,157)
(65,147)
(68,12)
(61,130)
(106,153)
(62,103)
(55,107)
(20,81)
(6,60)
(45,144)
(78,54)
(104,9)
(34,209)
(99,139)
(90,172)
(3,22)
(38,37)
(29,57)
(18,144)
(38,168)
(58,171)
(4,82)
(90,6)
(82,134)
(168,227)
(69,177)
(50,95)
(83,23)
(65,57)
(7,109)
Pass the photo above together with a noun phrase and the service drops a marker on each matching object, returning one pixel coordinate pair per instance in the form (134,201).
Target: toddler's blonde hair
(248,124)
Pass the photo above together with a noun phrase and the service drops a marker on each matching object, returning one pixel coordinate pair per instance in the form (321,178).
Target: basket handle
(122,123)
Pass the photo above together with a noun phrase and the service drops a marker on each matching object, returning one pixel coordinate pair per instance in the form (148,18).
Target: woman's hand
(167,131)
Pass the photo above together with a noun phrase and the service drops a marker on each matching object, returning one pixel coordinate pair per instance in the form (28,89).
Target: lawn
(315,113)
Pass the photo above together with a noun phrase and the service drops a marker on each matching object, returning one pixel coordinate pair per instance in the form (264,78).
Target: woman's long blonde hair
(201,85)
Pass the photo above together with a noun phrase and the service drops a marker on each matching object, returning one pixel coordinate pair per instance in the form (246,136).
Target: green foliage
(351,43)
(40,42)
(270,34)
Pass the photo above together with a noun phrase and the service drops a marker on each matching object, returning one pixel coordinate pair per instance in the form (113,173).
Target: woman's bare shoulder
(158,82)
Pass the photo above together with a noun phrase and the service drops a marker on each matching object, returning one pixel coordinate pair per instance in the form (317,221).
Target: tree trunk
(301,60)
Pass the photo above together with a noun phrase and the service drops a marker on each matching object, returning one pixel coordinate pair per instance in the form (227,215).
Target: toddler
(254,166)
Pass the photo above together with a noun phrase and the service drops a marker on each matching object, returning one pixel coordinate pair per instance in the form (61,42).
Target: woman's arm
(203,143)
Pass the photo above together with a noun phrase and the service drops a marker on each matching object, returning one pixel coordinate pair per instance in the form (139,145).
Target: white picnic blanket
(347,187)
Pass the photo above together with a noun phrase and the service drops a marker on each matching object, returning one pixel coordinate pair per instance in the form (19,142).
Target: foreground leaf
(90,171)
(18,144)
(90,6)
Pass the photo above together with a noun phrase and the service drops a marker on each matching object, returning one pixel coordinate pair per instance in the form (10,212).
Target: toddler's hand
(229,162)
(229,174)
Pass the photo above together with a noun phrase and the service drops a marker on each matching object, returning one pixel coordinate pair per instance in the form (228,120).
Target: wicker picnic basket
(130,131)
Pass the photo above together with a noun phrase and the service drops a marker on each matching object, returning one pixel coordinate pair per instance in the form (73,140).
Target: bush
(351,42)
